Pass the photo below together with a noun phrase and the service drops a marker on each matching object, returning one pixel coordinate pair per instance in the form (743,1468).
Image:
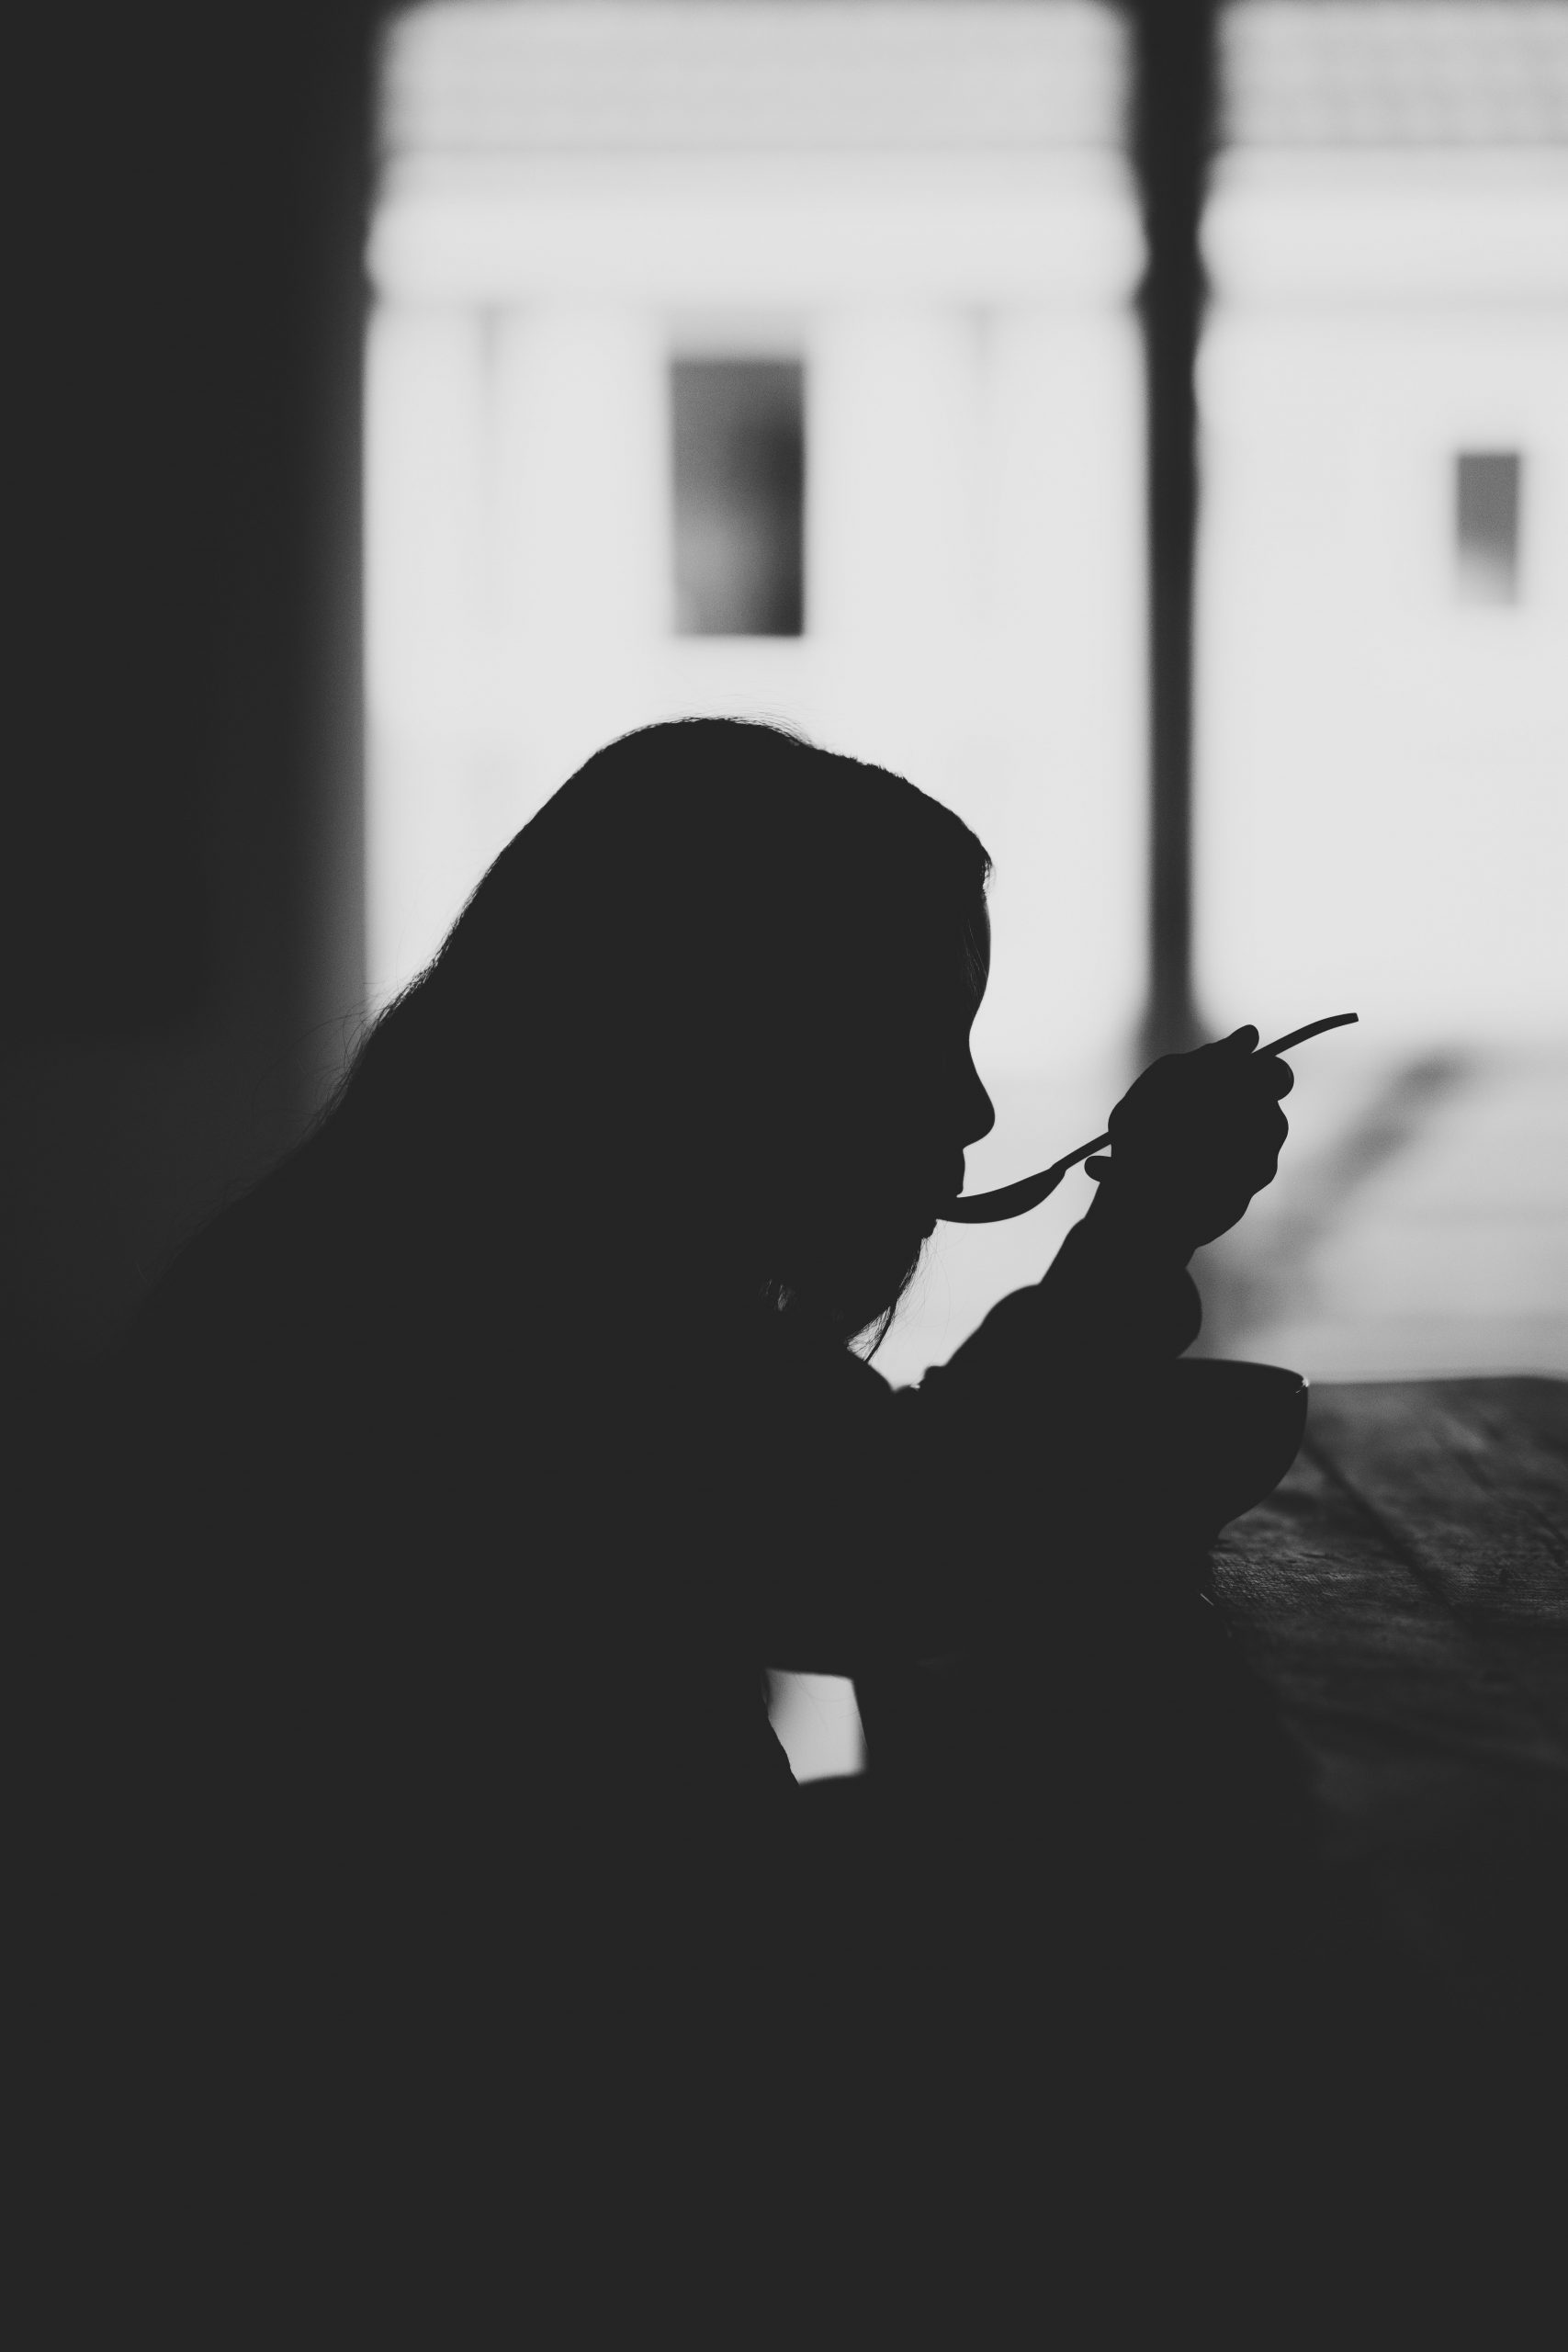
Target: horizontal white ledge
(1400,228)
(710,229)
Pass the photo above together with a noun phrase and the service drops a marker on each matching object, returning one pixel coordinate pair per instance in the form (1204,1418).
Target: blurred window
(1486,525)
(738,431)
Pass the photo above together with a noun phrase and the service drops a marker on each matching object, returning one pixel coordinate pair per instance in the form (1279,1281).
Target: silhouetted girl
(483,1456)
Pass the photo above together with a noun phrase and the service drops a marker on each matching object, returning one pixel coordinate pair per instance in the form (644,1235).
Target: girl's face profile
(903,1100)
(937,1105)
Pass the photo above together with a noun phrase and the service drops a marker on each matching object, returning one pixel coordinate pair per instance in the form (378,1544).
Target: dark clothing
(425,1795)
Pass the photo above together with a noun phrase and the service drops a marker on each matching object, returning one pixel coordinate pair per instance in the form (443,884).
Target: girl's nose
(979,1110)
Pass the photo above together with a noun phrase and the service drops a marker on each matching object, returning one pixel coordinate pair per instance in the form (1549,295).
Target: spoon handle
(1013,1200)
(1313,1029)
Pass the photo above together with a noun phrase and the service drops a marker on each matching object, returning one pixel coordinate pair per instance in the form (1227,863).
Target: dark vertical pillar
(181,883)
(1172,136)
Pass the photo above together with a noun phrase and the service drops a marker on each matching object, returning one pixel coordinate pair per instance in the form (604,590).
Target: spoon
(1012,1200)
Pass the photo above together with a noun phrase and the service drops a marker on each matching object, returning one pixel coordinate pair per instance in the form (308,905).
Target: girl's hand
(1193,1138)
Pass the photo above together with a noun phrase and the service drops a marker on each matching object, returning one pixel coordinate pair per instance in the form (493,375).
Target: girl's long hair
(658,967)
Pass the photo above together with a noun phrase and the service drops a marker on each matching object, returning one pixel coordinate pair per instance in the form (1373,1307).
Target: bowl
(1234,1430)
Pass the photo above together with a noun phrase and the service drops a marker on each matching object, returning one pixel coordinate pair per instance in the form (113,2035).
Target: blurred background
(1145,427)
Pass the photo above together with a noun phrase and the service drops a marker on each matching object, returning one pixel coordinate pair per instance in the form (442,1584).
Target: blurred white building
(635,260)
(1383,733)
(1383,672)
(771,358)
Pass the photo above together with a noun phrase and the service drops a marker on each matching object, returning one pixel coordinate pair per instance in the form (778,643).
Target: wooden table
(1364,2022)
(1404,1596)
